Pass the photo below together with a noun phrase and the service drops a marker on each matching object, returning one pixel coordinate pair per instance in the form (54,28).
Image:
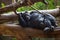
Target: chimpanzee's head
(25,15)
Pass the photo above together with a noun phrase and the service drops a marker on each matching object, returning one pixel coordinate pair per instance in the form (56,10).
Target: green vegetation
(2,5)
(40,6)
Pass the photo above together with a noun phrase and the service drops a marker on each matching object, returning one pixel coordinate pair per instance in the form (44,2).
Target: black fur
(38,21)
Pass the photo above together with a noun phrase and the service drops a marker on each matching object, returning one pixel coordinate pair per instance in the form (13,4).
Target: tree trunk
(12,16)
(26,33)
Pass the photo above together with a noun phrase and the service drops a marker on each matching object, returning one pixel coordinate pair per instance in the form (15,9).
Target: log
(21,3)
(12,16)
(27,33)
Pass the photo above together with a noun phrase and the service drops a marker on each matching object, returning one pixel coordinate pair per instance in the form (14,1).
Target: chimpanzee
(37,20)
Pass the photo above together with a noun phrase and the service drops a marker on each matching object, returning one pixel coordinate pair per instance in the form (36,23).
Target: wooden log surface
(12,16)
(27,33)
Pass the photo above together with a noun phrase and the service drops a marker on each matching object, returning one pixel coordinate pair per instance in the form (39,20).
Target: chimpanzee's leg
(21,21)
(52,20)
(48,27)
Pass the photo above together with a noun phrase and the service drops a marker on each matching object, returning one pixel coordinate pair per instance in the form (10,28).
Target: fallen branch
(21,3)
(26,33)
(12,16)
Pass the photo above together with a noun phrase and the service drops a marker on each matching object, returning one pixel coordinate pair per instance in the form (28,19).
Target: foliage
(2,5)
(40,6)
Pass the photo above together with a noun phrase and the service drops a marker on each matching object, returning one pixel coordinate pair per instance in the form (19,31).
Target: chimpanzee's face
(26,16)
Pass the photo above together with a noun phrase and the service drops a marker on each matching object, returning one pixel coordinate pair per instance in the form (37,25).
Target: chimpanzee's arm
(22,22)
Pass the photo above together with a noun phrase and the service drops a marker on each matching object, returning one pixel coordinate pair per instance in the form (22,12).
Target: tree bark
(12,16)
(26,33)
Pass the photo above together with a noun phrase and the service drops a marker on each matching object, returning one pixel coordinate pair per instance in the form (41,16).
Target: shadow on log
(26,33)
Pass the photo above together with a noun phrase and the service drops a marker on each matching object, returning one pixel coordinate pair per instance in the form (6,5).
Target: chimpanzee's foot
(55,25)
(47,29)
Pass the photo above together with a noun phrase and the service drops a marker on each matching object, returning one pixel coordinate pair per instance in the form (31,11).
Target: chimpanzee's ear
(21,13)
(26,11)
(32,12)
